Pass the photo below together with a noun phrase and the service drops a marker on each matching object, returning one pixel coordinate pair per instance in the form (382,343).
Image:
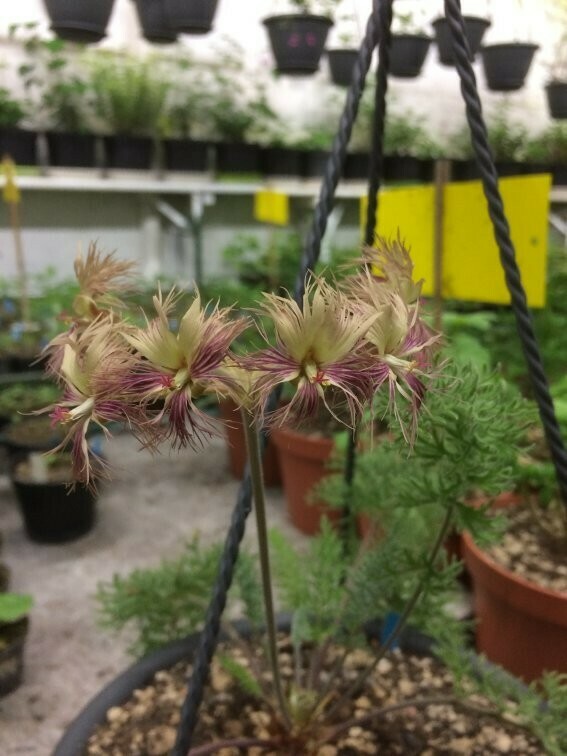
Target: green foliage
(405,135)
(508,140)
(550,146)
(14,607)
(540,707)
(168,602)
(241,675)
(325,7)
(12,111)
(269,267)
(129,94)
(311,583)
(26,397)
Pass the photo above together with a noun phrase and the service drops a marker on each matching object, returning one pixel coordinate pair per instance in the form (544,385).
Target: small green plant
(12,111)
(129,94)
(316,7)
(508,140)
(550,146)
(20,398)
(13,607)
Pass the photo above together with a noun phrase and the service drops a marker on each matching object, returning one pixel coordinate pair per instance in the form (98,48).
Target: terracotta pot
(521,626)
(237,447)
(303,461)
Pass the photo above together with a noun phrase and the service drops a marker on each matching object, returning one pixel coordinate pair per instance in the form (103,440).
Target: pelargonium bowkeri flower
(402,347)
(101,277)
(178,368)
(94,366)
(318,350)
(391,266)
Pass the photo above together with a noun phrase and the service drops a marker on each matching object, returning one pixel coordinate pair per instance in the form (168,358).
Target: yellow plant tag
(471,268)
(10,192)
(271,207)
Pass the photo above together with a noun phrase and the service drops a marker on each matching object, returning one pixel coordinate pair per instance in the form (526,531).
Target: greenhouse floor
(153,506)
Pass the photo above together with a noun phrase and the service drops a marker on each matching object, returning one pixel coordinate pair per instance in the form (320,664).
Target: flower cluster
(339,348)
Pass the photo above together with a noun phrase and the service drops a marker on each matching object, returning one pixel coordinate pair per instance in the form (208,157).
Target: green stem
(404,616)
(257,478)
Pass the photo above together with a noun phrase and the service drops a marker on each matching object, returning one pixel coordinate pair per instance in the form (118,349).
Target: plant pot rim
(280,18)
(545,602)
(412,35)
(510,46)
(341,50)
(556,83)
(467,17)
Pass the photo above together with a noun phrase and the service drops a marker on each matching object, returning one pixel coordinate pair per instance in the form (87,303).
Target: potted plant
(14,610)
(408,149)
(191,16)
(155,23)
(520,589)
(547,152)
(184,140)
(409,46)
(56,84)
(362,338)
(506,64)
(298,38)
(129,97)
(79,22)
(15,142)
(475,27)
(343,58)
(556,87)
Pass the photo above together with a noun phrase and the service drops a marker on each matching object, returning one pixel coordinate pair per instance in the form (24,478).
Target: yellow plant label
(471,268)
(10,192)
(271,207)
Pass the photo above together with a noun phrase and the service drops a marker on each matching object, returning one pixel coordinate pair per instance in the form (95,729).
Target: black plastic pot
(52,512)
(313,163)
(280,161)
(154,21)
(71,150)
(20,145)
(475,28)
(79,20)
(341,65)
(506,65)
(464,170)
(237,157)
(297,41)
(407,54)
(191,16)
(556,92)
(559,173)
(407,168)
(357,166)
(141,673)
(186,155)
(132,152)
(12,656)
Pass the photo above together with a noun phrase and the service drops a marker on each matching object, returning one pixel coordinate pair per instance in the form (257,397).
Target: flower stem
(257,478)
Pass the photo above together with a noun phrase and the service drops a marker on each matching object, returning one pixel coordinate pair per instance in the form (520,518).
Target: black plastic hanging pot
(341,64)
(556,92)
(474,30)
(191,16)
(506,65)
(297,41)
(407,54)
(154,21)
(79,20)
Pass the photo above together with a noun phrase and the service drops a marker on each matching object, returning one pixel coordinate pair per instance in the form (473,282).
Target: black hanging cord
(243,507)
(520,308)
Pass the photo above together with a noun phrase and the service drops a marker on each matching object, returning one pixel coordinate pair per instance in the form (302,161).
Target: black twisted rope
(376,167)
(243,507)
(520,308)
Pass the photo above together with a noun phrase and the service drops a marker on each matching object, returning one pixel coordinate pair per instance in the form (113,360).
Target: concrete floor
(151,509)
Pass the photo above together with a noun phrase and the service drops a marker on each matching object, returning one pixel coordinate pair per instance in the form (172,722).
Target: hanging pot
(154,21)
(556,92)
(506,65)
(341,64)
(475,28)
(79,20)
(297,41)
(407,54)
(303,461)
(191,16)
